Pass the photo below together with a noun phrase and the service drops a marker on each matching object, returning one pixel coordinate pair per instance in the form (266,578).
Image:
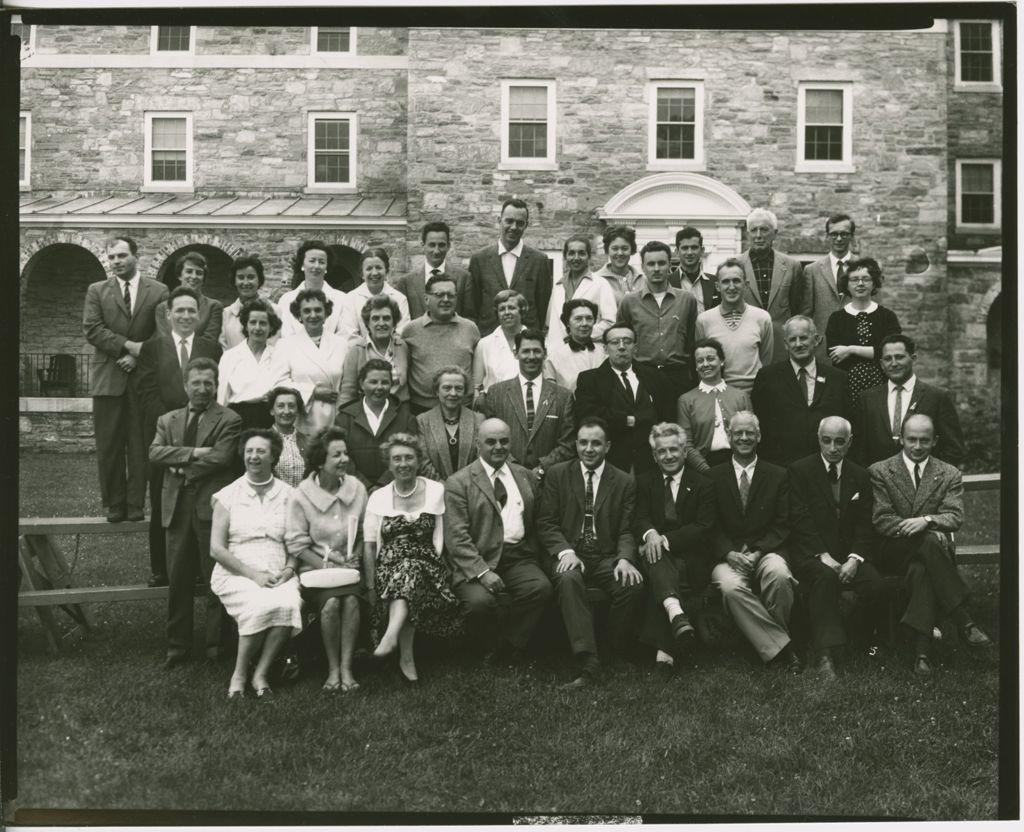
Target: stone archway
(217,285)
(63,236)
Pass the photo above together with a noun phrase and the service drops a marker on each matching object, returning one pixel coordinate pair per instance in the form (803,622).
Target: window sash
(173,38)
(527,122)
(333,39)
(977,194)
(332,157)
(168,134)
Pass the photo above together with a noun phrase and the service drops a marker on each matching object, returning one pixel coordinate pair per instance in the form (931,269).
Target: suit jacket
(364,446)
(532,278)
(473,530)
(560,515)
(941,495)
(219,429)
(786,297)
(764,526)
(211,318)
(414,286)
(599,392)
(695,413)
(823,299)
(822,525)
(690,535)
(435,438)
(161,387)
(872,428)
(108,325)
(552,438)
(789,426)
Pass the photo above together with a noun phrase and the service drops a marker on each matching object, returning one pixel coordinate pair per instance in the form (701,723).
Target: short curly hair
(272,436)
(403,440)
(381,301)
(316,450)
(310,294)
(259,305)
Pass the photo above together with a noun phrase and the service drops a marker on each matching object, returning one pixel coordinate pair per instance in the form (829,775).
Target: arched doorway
(344,272)
(218,283)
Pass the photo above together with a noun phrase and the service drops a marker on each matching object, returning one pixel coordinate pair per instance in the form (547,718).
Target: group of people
(451,445)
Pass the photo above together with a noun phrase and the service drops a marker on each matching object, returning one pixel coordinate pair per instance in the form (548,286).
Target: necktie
(588,514)
(897,411)
(805,382)
(500,492)
(917,475)
(833,478)
(840,272)
(435,272)
(530,411)
(183,356)
(670,504)
(744,488)
(128,297)
(191,428)
(629,389)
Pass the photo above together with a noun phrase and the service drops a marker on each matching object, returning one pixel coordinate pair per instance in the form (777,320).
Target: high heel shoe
(406,681)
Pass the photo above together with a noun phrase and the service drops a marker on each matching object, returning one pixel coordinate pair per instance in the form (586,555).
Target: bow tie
(576,346)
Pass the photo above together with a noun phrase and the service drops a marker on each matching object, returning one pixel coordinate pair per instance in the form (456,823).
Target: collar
(707,388)
(321,499)
(370,414)
(910,464)
(276,486)
(759,257)
(517,251)
(564,279)
(670,290)
(132,281)
(428,269)
(428,321)
(849,309)
(598,471)
(576,346)
(491,471)
(908,385)
(739,468)
(835,260)
(189,339)
(839,465)
(677,477)
(812,368)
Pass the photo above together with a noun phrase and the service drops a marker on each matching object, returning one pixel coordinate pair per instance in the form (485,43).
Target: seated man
(675,515)
(488,534)
(833,544)
(918,505)
(752,502)
(584,525)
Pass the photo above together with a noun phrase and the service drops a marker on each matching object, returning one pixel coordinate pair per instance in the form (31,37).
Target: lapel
(748,269)
(525,484)
(902,479)
(144,292)
(755,484)
(389,416)
(542,405)
(439,436)
(793,386)
(355,410)
(683,495)
(467,437)
(819,386)
(515,394)
(520,269)
(829,278)
(484,484)
(115,290)
(495,260)
(206,425)
(177,426)
(915,399)
(734,488)
(929,481)
(314,353)
(604,488)
(615,383)
(779,269)
(576,485)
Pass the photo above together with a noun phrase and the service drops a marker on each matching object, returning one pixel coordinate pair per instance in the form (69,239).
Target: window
(978,194)
(25,151)
(172,39)
(169,151)
(331,151)
(676,126)
(333,39)
(528,124)
(825,128)
(977,51)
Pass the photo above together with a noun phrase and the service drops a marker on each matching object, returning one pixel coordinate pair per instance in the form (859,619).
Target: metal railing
(64,375)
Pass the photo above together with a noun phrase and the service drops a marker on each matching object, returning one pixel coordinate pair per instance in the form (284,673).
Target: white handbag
(329,577)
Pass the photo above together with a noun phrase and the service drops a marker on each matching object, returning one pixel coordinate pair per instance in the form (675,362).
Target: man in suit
(692,277)
(191,270)
(882,409)
(436,238)
(119,315)
(918,506)
(675,516)
(774,281)
(630,397)
(196,446)
(792,396)
(584,527)
(161,372)
(490,540)
(510,265)
(538,411)
(752,506)
(833,546)
(822,276)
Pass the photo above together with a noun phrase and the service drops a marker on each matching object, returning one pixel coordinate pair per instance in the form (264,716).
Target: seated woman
(254,577)
(380,316)
(495,357)
(249,370)
(312,357)
(577,351)
(324,529)
(448,430)
(374,266)
(287,411)
(404,535)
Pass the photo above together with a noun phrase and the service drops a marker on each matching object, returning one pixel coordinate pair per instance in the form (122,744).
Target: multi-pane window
(977,52)
(169,149)
(676,125)
(24,148)
(333,39)
(528,122)
(824,127)
(173,38)
(978,193)
(331,150)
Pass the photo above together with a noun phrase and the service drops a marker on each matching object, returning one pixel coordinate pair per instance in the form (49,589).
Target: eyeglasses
(840,235)
(860,279)
(621,342)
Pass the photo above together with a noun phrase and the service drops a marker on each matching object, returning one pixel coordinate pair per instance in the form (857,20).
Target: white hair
(763,214)
(844,422)
(663,429)
(800,319)
(749,414)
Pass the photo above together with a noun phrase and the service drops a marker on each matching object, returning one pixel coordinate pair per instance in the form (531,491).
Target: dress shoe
(175,659)
(922,667)
(115,515)
(825,669)
(664,672)
(236,695)
(157,580)
(590,671)
(787,661)
(265,694)
(975,637)
(135,515)
(682,629)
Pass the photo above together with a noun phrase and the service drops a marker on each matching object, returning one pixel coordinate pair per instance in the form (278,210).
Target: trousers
(759,603)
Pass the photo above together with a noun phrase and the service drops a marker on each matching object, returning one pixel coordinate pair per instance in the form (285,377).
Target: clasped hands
(743,561)
(270,579)
(911,526)
(847,571)
(625,573)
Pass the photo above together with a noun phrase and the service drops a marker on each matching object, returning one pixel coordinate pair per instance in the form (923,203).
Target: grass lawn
(103,726)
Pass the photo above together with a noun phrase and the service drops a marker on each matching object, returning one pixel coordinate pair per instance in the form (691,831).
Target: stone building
(238,139)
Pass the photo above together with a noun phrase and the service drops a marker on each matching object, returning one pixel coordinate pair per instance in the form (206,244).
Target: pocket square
(820,380)
(551,416)
(855,497)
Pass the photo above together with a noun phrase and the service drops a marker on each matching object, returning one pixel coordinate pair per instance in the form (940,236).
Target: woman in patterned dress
(287,410)
(854,333)
(254,577)
(403,534)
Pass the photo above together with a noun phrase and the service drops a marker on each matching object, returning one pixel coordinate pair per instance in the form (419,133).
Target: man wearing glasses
(822,276)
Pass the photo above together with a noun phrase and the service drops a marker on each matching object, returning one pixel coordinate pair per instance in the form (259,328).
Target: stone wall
(92,40)
(70,433)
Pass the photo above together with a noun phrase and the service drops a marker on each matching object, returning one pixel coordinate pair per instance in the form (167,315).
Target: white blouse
(292,326)
(494,359)
(382,504)
(243,378)
(595,289)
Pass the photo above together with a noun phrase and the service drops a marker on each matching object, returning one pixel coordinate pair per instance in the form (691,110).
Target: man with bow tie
(833,545)
(918,506)
(821,278)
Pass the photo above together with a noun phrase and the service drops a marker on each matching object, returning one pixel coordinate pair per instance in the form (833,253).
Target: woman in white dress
(254,577)
(312,263)
(495,357)
(313,357)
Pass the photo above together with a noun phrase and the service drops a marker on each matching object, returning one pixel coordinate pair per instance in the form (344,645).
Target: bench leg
(53,574)
(36,581)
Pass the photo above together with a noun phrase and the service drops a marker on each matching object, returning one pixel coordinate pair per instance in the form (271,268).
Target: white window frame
(25,184)
(313,186)
(844,165)
(996,84)
(314,36)
(154,37)
(997,195)
(163,186)
(533,162)
(27,49)
(697,163)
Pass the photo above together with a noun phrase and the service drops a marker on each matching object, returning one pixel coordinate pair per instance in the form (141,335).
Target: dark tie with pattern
(917,475)
(744,488)
(897,411)
(191,428)
(589,542)
(833,478)
(670,504)
(128,298)
(530,410)
(630,397)
(500,492)
(183,356)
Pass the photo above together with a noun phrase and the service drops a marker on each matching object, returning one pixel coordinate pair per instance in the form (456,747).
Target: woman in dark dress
(854,333)
(448,430)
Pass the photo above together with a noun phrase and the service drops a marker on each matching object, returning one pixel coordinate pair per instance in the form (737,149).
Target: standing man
(663,319)
(774,281)
(438,338)
(510,265)
(690,248)
(490,541)
(883,409)
(120,313)
(584,527)
(792,396)
(196,446)
(918,505)
(538,411)
(161,375)
(822,276)
(191,269)
(436,238)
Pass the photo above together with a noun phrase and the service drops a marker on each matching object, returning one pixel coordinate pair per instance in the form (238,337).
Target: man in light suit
(490,541)
(822,276)
(436,239)
(191,270)
(584,527)
(918,506)
(882,409)
(119,315)
(161,371)
(510,265)
(792,396)
(538,411)
(196,446)
(775,281)
(692,277)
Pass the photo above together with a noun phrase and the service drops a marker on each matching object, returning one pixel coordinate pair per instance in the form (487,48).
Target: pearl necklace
(407,496)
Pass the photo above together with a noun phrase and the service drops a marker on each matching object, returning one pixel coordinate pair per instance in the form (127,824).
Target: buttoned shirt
(664,334)
(509,257)
(622,285)
(910,466)
(908,391)
(188,339)
(673,486)
(428,270)
(808,383)
(739,469)
(598,472)
(537,382)
(834,262)
(634,382)
(719,439)
(133,285)
(373,418)
(244,378)
(512,514)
